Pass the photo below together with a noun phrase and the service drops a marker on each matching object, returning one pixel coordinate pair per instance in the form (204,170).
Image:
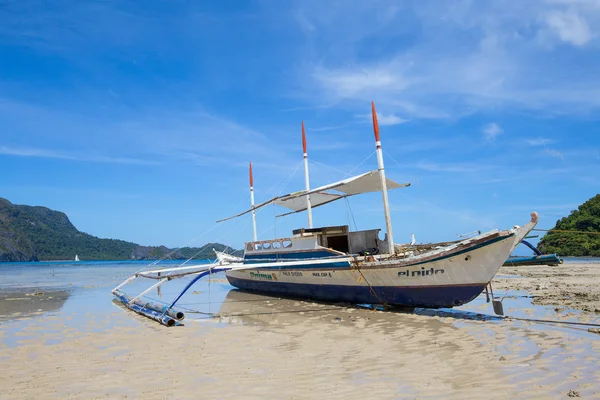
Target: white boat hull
(441,281)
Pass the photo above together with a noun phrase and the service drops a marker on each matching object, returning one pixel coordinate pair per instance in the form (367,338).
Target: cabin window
(266,245)
(277,245)
(339,243)
(287,243)
(257,246)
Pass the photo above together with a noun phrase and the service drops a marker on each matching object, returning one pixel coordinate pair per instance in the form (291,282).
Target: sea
(30,289)
(70,288)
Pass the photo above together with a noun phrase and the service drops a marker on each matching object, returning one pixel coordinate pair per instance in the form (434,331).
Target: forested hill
(38,233)
(586,219)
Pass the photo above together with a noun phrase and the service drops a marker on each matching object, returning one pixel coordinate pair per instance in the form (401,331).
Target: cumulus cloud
(570,27)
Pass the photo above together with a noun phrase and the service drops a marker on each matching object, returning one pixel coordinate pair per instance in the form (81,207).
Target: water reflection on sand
(252,346)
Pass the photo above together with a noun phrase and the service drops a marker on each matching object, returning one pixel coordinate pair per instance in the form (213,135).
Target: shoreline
(77,343)
(568,285)
(279,348)
(173,260)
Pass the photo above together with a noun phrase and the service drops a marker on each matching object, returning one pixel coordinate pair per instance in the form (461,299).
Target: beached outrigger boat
(334,264)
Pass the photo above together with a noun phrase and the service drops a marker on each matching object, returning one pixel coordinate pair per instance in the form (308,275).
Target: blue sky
(138,118)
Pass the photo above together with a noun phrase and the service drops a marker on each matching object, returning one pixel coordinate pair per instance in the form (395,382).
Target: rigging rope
(286,181)
(311,161)
(566,231)
(164,257)
(351,213)
(237,227)
(346,174)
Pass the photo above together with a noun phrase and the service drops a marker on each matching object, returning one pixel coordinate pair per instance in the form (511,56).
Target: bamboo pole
(306,178)
(386,206)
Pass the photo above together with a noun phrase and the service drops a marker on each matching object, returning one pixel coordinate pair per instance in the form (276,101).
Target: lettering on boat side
(292,273)
(263,277)
(322,274)
(421,272)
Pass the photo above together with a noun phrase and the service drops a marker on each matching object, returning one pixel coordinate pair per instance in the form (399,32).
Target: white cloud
(158,135)
(555,153)
(539,141)
(467,57)
(449,167)
(383,119)
(390,119)
(491,130)
(364,83)
(305,25)
(570,27)
(47,153)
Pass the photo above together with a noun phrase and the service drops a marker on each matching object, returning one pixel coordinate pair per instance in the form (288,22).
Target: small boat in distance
(76,257)
(334,264)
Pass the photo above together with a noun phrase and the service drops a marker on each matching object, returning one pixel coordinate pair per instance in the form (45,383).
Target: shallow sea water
(61,301)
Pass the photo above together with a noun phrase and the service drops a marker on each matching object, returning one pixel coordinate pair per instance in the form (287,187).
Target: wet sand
(256,347)
(572,285)
(25,303)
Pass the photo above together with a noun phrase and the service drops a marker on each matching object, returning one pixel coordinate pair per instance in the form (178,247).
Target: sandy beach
(256,347)
(572,285)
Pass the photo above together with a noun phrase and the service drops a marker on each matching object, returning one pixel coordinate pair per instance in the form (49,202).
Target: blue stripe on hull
(283,256)
(430,297)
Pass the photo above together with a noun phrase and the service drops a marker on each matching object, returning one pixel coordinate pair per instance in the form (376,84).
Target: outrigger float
(335,264)
(165,314)
(537,259)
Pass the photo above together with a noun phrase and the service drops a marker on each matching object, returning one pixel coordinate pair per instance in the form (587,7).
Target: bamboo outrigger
(164,314)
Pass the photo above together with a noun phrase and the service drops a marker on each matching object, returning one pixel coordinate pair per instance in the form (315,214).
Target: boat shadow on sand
(251,307)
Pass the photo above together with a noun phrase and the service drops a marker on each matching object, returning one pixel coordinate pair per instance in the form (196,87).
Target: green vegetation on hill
(38,233)
(587,219)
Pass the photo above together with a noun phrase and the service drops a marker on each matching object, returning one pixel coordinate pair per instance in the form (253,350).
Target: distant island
(571,244)
(29,233)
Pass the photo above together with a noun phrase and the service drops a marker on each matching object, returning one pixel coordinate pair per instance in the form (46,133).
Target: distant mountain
(38,233)
(585,219)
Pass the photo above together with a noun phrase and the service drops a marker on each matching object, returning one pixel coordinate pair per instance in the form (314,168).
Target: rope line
(346,174)
(361,163)
(371,290)
(566,231)
(311,161)
(351,213)
(550,321)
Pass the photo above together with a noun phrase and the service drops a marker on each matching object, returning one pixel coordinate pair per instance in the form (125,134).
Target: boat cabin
(307,243)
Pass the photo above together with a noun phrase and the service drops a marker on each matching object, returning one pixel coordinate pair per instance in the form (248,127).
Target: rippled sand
(284,349)
(568,285)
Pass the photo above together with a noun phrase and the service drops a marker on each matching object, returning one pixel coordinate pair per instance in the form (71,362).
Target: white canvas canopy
(364,183)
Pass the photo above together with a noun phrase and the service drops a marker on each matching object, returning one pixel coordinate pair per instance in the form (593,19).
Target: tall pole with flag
(252,203)
(386,206)
(306,179)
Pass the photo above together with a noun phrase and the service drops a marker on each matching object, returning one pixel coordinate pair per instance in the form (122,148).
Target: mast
(306,180)
(386,206)
(252,203)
